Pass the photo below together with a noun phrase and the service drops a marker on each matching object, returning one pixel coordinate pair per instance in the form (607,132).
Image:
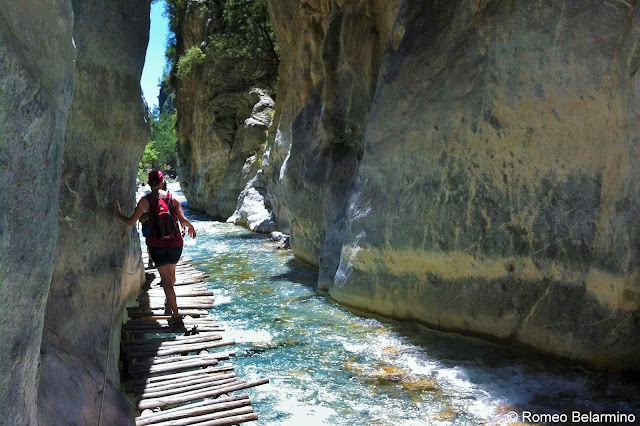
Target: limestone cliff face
(471,165)
(72,131)
(220,138)
(331,58)
(36,82)
(97,268)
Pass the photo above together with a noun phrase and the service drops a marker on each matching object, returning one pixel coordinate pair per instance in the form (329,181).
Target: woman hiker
(165,242)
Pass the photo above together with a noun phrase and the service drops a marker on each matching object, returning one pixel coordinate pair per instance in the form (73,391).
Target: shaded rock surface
(468,165)
(331,56)
(97,268)
(72,131)
(36,83)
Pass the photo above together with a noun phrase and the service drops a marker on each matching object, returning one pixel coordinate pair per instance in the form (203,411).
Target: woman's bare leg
(168,279)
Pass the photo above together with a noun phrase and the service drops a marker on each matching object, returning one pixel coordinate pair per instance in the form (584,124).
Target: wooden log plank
(178,349)
(180,299)
(170,359)
(132,384)
(157,294)
(142,387)
(156,346)
(195,409)
(139,313)
(199,280)
(180,292)
(142,320)
(135,369)
(181,276)
(203,403)
(182,288)
(155,284)
(228,421)
(165,342)
(145,256)
(146,321)
(205,319)
(188,381)
(176,330)
(154,323)
(162,378)
(180,264)
(233,412)
(183,292)
(182,304)
(179,399)
(184,390)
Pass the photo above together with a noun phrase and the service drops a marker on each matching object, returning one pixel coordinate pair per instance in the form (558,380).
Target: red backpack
(162,217)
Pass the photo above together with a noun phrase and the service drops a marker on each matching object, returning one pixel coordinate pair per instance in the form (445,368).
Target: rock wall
(331,59)
(471,165)
(97,268)
(72,131)
(221,121)
(36,83)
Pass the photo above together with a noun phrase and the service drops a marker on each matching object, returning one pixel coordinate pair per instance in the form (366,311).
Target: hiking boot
(167,309)
(176,321)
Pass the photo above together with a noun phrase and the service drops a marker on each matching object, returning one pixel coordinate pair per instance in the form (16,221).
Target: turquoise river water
(328,365)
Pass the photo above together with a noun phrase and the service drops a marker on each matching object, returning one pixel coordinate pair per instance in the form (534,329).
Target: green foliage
(246,39)
(150,155)
(161,153)
(243,39)
(188,61)
(175,12)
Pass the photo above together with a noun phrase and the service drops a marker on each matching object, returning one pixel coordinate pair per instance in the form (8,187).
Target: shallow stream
(331,366)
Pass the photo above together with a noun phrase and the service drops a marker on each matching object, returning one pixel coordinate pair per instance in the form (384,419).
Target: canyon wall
(470,165)
(36,84)
(72,130)
(222,118)
(98,268)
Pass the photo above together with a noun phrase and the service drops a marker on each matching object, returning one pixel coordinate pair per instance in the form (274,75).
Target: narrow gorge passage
(331,366)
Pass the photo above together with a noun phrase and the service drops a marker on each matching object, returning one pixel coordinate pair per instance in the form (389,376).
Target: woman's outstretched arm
(183,219)
(142,206)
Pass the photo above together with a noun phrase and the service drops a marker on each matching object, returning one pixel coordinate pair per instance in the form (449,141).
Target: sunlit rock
(468,166)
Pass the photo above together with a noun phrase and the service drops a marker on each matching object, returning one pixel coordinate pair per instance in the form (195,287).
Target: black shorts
(165,255)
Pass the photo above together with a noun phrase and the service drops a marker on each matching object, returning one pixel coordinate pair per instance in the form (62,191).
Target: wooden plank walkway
(175,372)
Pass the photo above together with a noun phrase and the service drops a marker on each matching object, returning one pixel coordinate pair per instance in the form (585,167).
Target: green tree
(148,157)
(161,153)
(246,39)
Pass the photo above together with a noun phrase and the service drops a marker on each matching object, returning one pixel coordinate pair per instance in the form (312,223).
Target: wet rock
(281,239)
